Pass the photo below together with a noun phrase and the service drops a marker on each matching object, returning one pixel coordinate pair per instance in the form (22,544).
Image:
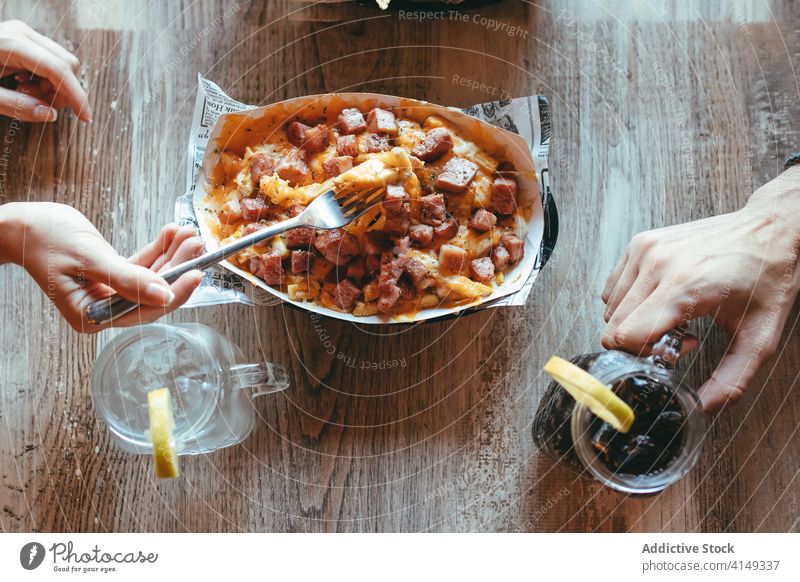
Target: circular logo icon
(31,555)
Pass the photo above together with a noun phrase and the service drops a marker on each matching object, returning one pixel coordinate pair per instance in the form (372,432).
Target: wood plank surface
(663,112)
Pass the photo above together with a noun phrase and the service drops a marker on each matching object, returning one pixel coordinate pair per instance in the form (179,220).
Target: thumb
(732,376)
(25,107)
(133,282)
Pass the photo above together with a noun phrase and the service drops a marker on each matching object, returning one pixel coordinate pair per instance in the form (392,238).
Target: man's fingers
(620,290)
(658,314)
(54,48)
(182,288)
(25,107)
(40,61)
(611,282)
(641,289)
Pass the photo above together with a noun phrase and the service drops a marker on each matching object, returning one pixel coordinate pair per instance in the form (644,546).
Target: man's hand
(740,268)
(37,76)
(75,266)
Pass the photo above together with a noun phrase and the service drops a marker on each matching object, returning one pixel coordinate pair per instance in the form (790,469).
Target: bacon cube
(416,271)
(351,121)
(255,227)
(294,170)
(372,143)
(300,261)
(397,224)
(456,175)
(311,139)
(504,195)
(515,247)
(434,210)
(296,132)
(347,145)
(338,165)
(382,121)
(316,138)
(338,246)
(254,209)
(388,298)
(437,143)
(230,212)
(482,220)
(357,269)
(421,234)
(268,267)
(301,237)
(260,165)
(345,294)
(500,257)
(481,269)
(394,199)
(375,242)
(447,229)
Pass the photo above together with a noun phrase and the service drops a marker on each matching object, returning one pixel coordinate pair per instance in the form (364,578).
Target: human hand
(38,76)
(739,268)
(75,266)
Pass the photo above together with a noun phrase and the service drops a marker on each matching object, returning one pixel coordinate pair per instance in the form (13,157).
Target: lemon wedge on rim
(165,453)
(591,392)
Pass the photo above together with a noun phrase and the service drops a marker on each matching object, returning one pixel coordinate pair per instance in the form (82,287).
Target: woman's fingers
(148,254)
(188,249)
(167,258)
(131,281)
(53,47)
(182,288)
(43,63)
(25,107)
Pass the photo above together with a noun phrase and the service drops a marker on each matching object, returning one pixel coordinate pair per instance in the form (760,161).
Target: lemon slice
(159,405)
(591,392)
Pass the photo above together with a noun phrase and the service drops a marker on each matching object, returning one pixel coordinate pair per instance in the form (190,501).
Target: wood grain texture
(663,113)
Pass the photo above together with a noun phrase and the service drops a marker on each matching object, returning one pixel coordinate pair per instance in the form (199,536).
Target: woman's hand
(740,268)
(37,76)
(75,266)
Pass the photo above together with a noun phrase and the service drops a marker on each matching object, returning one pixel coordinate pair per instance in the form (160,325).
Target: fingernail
(160,293)
(199,244)
(199,276)
(45,113)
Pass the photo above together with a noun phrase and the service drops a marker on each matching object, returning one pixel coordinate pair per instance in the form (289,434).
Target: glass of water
(211,385)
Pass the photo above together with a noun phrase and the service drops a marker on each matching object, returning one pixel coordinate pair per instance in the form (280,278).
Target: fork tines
(356,202)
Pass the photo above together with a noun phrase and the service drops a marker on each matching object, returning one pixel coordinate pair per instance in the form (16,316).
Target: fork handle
(115,306)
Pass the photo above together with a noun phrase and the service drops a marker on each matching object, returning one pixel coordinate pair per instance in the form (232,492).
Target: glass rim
(100,387)
(693,431)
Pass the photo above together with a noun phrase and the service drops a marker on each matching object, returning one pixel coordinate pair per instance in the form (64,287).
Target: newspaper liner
(528,117)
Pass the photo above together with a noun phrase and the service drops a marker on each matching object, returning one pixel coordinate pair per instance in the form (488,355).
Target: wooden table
(660,115)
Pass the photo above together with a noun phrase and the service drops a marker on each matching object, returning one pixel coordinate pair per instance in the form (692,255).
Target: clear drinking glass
(211,386)
(568,432)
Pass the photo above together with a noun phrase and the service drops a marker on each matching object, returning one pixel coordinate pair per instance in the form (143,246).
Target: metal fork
(327,211)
